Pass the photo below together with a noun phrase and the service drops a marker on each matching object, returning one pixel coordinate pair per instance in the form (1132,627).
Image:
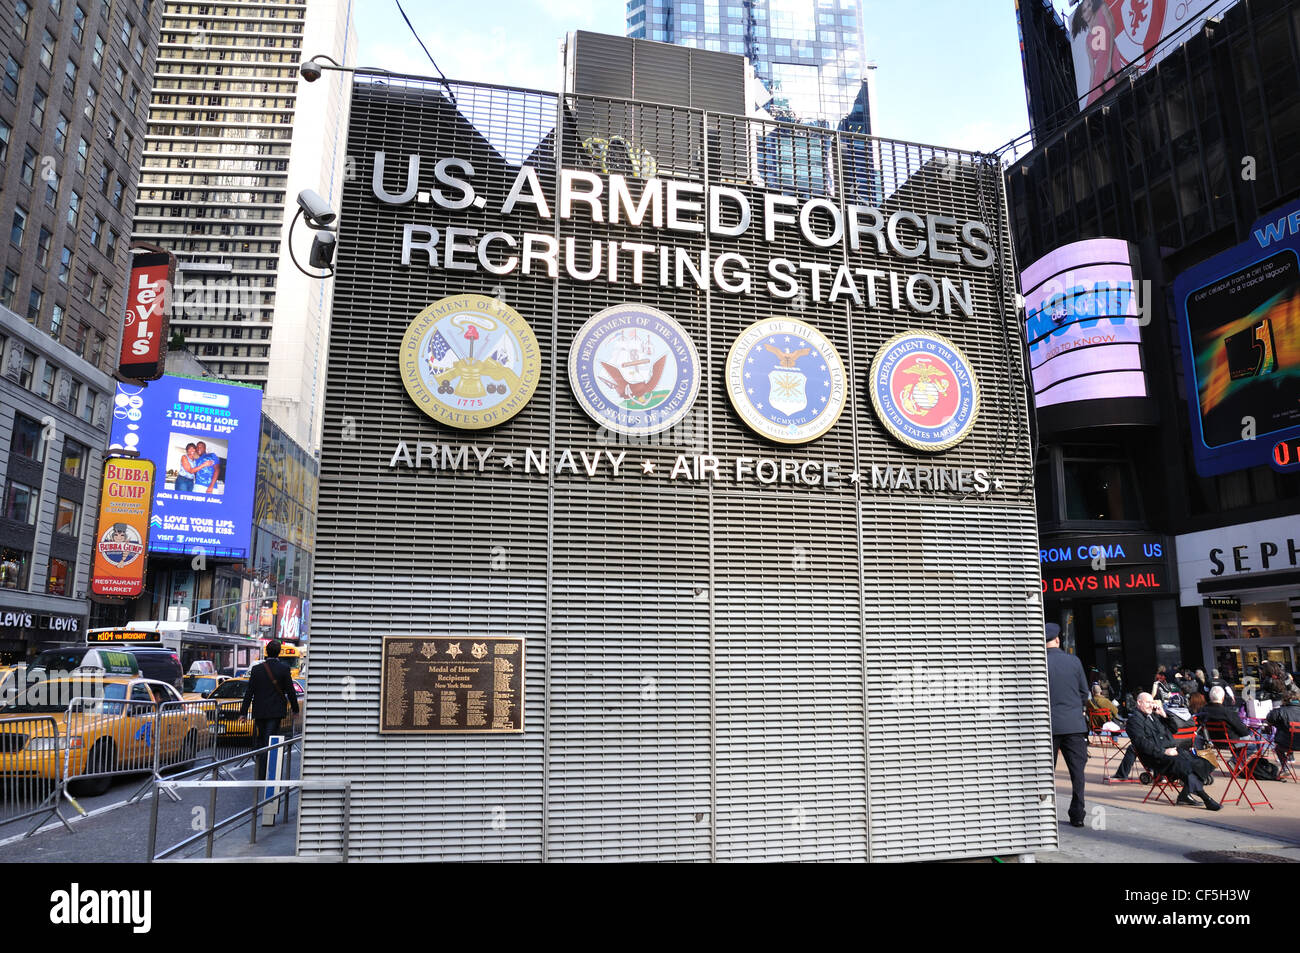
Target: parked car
(105,723)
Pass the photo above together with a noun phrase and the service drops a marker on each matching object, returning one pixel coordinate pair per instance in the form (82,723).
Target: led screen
(1239,314)
(1082,323)
(203,437)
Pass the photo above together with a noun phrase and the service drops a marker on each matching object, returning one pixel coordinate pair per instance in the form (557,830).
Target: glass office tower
(808,53)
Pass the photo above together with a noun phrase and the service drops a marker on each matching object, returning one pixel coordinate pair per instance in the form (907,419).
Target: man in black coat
(1067,690)
(1156,749)
(269,685)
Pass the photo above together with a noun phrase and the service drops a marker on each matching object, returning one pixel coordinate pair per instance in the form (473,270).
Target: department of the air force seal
(634,369)
(786,380)
(924,391)
(470,361)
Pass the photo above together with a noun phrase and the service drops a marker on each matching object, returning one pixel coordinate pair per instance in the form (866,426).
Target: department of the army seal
(786,380)
(634,369)
(924,390)
(470,361)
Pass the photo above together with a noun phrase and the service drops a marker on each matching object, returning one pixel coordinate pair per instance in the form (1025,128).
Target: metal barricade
(107,737)
(197,778)
(31,761)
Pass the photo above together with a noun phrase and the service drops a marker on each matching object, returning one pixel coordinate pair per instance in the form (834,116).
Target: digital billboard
(1108,37)
(1239,318)
(203,436)
(1082,323)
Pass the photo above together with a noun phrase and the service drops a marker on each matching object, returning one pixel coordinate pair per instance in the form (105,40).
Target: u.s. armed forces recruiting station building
(674,504)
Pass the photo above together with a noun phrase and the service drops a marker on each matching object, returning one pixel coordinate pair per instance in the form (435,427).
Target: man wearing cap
(1067,689)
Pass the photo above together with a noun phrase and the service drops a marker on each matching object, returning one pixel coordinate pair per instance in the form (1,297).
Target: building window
(89,109)
(22,15)
(127,26)
(97,54)
(96,226)
(1098,488)
(6,131)
(65,264)
(43,247)
(51,187)
(67,518)
(28,438)
(20,226)
(78,25)
(74,402)
(74,209)
(70,78)
(74,454)
(88,406)
(13,568)
(83,152)
(117,193)
(27,370)
(29,165)
(61,133)
(110,245)
(34,302)
(60,575)
(21,502)
(47,381)
(56,321)
(38,107)
(11,76)
(47,50)
(9,289)
(57,7)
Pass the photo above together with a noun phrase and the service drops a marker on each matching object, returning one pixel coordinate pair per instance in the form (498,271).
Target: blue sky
(948,71)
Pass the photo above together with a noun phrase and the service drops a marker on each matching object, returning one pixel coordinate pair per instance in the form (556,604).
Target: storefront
(1113,596)
(1244,581)
(23,630)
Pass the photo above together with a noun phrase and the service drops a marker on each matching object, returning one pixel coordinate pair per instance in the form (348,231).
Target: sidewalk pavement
(1121,829)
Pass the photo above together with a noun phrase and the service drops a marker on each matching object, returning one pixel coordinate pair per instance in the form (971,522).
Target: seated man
(1221,719)
(1155,746)
(1098,702)
(1281,719)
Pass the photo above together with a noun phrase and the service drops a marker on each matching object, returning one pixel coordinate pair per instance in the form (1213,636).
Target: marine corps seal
(924,391)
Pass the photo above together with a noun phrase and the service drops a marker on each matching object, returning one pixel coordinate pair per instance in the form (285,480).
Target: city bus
(191,641)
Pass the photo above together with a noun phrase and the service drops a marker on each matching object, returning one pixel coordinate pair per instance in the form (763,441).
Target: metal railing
(31,756)
(44,762)
(194,778)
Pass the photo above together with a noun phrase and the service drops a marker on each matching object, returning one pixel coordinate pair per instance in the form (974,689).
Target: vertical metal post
(153,824)
(212,815)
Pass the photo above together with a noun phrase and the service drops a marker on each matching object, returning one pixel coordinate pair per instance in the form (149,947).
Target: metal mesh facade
(714,670)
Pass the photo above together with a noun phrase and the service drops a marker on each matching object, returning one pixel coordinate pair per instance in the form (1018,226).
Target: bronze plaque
(435,684)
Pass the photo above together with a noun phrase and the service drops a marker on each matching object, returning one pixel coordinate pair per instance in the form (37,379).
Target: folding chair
(1108,742)
(1161,785)
(1240,765)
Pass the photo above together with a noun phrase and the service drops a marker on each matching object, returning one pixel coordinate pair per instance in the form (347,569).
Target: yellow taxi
(198,687)
(105,723)
(11,676)
(229,696)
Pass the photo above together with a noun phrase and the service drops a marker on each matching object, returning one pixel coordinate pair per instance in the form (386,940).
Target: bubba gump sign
(122,533)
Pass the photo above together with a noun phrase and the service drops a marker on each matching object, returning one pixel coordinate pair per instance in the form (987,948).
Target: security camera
(310,71)
(322,250)
(317,210)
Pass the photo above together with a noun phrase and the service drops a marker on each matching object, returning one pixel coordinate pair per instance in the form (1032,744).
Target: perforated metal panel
(714,670)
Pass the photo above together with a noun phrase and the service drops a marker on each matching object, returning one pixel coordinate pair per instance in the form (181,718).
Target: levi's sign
(144,325)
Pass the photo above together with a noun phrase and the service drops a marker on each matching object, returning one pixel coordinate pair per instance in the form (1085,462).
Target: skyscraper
(808,53)
(73,103)
(224,161)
